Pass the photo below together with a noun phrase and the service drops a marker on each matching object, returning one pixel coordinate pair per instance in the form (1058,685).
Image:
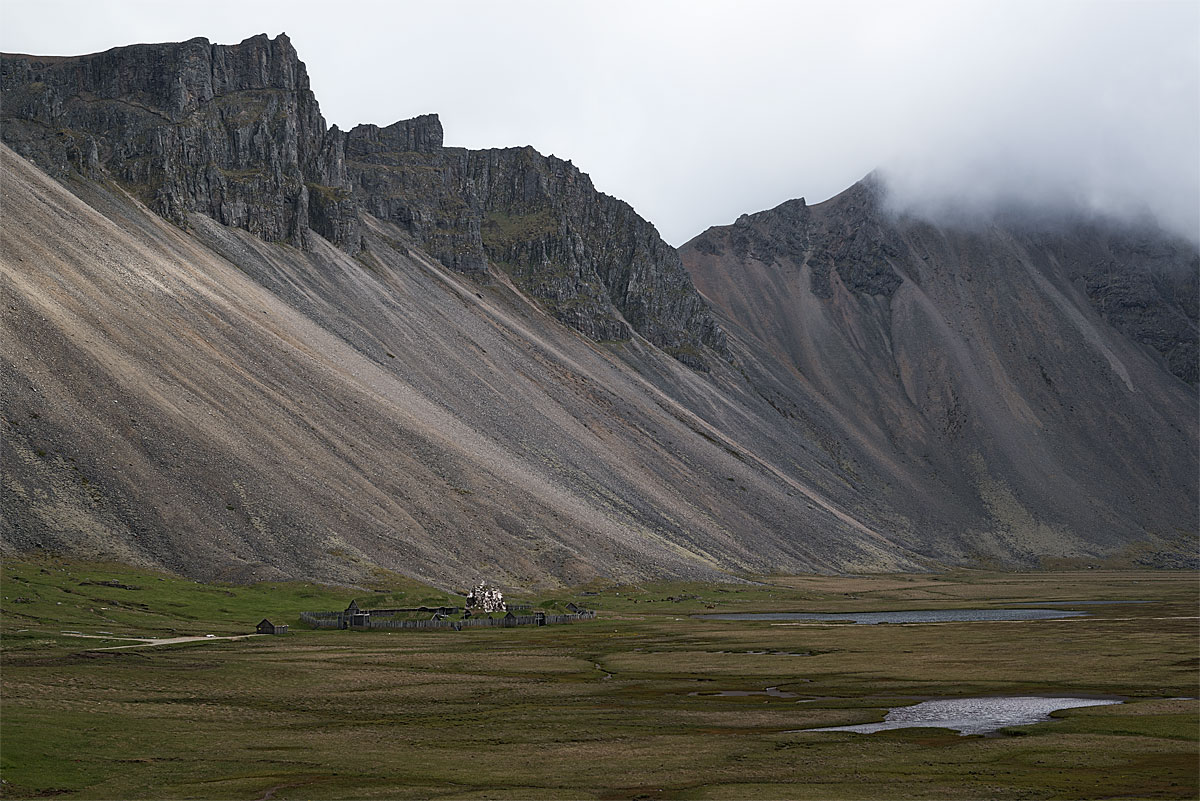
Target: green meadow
(622,707)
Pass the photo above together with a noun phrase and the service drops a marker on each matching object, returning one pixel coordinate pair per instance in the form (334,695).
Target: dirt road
(141,642)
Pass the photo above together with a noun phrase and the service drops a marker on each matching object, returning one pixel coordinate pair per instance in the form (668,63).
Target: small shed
(573,609)
(267,627)
(353,616)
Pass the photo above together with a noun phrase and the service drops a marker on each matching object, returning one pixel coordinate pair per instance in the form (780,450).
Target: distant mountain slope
(978,376)
(238,344)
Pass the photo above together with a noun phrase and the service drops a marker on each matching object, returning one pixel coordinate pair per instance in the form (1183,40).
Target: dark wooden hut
(267,627)
(353,616)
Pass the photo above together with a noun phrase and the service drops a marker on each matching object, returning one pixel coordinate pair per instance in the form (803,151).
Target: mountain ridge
(245,346)
(234,132)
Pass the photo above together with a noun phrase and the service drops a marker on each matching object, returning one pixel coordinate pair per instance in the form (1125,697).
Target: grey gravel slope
(227,407)
(967,375)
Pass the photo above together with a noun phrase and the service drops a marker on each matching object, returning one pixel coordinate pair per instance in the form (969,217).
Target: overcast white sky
(696,112)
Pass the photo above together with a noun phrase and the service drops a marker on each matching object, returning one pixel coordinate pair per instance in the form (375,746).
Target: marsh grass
(596,710)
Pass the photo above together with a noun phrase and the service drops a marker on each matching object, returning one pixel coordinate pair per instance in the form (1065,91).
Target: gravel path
(144,641)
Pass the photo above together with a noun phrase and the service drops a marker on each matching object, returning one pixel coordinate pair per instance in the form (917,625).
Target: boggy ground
(606,709)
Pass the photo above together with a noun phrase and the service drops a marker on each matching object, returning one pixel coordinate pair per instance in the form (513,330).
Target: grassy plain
(621,707)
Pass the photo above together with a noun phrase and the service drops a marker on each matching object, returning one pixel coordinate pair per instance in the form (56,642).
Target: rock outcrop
(1142,281)
(1139,279)
(588,258)
(234,133)
(230,131)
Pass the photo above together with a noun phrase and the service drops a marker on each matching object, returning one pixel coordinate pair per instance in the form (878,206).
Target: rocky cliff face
(234,133)
(1139,280)
(588,258)
(1142,283)
(581,251)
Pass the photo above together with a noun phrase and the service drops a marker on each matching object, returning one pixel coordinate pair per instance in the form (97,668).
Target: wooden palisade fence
(334,620)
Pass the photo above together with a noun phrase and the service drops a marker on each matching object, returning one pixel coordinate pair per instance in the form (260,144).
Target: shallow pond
(1077,603)
(973,715)
(911,616)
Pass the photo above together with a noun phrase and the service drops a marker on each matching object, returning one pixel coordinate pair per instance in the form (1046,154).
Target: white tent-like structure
(486,599)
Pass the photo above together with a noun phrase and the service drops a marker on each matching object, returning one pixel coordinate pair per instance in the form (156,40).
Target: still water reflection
(973,715)
(911,616)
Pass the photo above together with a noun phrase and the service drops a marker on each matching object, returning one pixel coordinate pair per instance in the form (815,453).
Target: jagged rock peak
(174,78)
(418,135)
(234,133)
(586,257)
(229,131)
(1140,281)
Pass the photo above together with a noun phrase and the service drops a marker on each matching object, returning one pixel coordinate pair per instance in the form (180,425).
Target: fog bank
(1094,114)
